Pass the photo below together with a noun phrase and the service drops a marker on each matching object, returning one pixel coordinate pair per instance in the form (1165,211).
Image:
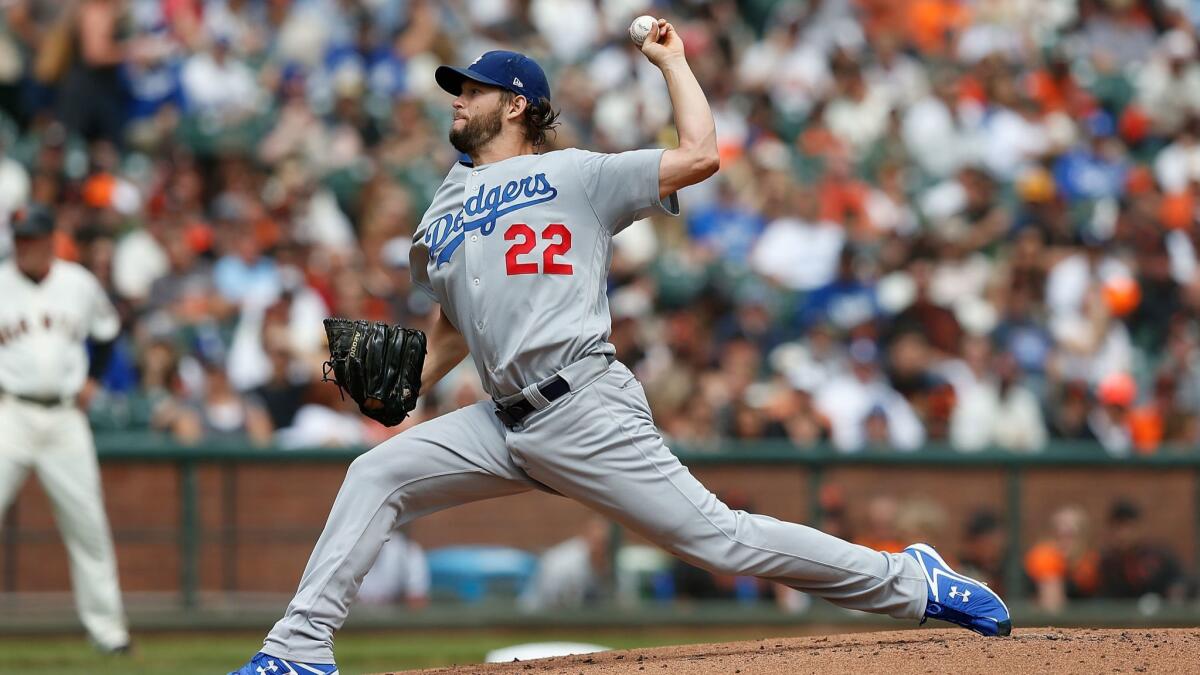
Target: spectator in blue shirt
(726,227)
(1095,170)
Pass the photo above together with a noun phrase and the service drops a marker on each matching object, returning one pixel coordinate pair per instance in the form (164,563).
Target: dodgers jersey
(43,327)
(517,254)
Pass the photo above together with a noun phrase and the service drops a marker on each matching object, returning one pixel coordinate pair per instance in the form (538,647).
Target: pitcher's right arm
(696,158)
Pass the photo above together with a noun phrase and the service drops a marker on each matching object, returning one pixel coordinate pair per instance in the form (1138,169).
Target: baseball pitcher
(515,248)
(49,308)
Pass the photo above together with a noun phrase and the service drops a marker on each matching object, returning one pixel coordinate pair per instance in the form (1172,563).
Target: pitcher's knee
(375,465)
(707,560)
(711,547)
(363,466)
(392,462)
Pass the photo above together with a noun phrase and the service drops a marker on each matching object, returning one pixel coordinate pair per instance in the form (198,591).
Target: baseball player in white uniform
(515,248)
(49,308)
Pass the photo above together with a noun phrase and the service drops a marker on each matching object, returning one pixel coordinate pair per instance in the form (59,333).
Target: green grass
(358,652)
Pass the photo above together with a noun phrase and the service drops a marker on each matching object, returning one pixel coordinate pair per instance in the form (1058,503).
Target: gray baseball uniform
(517,253)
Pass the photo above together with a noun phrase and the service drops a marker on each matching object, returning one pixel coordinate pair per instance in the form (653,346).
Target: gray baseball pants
(597,445)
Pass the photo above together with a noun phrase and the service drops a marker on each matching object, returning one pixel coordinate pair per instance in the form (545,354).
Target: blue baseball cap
(508,70)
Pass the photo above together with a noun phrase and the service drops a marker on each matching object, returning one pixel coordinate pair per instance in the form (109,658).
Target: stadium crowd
(961,221)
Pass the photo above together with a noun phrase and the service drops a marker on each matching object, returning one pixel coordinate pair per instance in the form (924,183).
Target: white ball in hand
(640,28)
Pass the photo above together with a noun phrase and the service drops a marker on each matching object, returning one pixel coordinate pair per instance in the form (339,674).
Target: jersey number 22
(560,242)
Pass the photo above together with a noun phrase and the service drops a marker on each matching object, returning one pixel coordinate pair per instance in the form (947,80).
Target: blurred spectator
(832,516)
(921,518)
(995,410)
(861,406)
(218,86)
(1131,567)
(846,302)
(244,272)
(400,574)
(879,530)
(936,325)
(1166,83)
(225,414)
(790,410)
(572,573)
(326,419)
(90,52)
(935,128)
(984,549)
(1164,419)
(727,229)
(799,250)
(1065,565)
(157,402)
(1111,422)
(910,369)
(140,259)
(283,394)
(858,113)
(1095,170)
(14,194)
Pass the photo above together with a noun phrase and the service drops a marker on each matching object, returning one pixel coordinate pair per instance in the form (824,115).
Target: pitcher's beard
(476,133)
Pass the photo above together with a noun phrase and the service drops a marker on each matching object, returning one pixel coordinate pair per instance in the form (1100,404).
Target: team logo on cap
(477,59)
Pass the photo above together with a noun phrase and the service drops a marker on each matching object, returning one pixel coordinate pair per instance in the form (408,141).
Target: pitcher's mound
(1029,650)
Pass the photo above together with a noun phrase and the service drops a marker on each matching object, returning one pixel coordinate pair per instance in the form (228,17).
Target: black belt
(511,415)
(38,400)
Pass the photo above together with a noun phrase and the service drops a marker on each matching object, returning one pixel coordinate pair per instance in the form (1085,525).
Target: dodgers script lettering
(480,212)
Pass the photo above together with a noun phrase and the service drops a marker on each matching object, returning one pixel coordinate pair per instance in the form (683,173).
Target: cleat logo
(269,668)
(955,593)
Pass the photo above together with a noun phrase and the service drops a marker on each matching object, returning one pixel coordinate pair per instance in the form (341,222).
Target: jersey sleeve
(418,259)
(103,324)
(623,187)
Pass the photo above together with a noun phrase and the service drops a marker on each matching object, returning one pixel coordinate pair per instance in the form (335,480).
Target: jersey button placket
(472,258)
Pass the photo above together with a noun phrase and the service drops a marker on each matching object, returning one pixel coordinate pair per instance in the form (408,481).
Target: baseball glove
(378,365)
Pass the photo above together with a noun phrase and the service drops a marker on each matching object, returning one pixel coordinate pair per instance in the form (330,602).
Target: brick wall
(260,520)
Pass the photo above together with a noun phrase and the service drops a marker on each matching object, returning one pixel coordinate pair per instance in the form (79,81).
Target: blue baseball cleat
(958,599)
(265,664)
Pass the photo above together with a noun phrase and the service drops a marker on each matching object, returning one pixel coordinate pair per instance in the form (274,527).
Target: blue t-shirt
(729,230)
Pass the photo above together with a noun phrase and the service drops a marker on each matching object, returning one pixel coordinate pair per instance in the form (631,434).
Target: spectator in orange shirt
(1164,419)
(1055,90)
(879,531)
(880,18)
(1065,565)
(844,196)
(934,25)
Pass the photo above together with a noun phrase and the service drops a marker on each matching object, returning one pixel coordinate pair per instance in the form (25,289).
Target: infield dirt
(1029,650)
